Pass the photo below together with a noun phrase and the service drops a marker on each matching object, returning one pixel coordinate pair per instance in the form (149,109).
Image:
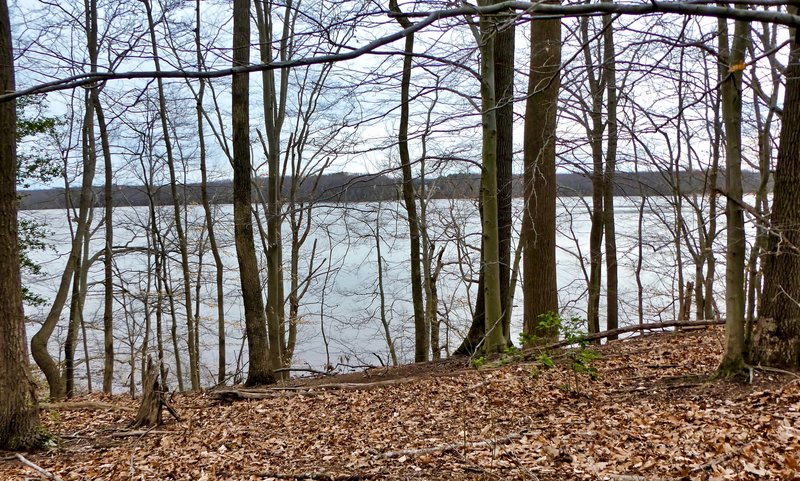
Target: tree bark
(609,225)
(421,328)
(504,92)
(732,65)
(274,104)
(539,216)
(596,142)
(776,337)
(108,259)
(260,371)
(493,321)
(19,416)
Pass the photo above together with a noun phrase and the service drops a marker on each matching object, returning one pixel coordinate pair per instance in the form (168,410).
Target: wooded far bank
(350,187)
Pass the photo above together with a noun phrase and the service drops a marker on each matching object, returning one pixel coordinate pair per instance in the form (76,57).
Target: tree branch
(427,19)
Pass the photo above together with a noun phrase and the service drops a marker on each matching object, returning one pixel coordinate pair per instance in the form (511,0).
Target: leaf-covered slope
(650,415)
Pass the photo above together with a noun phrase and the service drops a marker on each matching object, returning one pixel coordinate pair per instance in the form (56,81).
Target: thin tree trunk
(108,259)
(274,104)
(191,328)
(421,328)
(609,226)
(493,321)
(597,217)
(731,66)
(212,238)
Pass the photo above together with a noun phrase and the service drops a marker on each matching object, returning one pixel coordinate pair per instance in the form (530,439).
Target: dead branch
(280,391)
(321,476)
(47,474)
(82,405)
(633,477)
(304,369)
(142,432)
(637,327)
(449,447)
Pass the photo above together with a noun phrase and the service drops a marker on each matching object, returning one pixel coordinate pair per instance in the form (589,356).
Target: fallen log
(639,327)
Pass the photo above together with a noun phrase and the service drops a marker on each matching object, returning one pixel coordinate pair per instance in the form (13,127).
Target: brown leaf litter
(652,414)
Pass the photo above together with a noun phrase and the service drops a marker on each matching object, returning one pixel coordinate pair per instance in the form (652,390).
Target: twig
(448,447)
(126,434)
(47,474)
(321,476)
(633,477)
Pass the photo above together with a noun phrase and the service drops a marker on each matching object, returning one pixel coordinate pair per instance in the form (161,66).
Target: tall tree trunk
(421,328)
(191,328)
(504,91)
(40,340)
(609,226)
(260,371)
(539,216)
(501,123)
(108,259)
(597,217)
(493,321)
(19,416)
(274,102)
(776,337)
(212,238)
(731,66)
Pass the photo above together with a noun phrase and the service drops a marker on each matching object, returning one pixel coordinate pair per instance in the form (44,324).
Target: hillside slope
(649,415)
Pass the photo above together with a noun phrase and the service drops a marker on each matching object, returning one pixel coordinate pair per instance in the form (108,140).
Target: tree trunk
(19,416)
(539,216)
(212,238)
(776,337)
(731,65)
(504,91)
(421,328)
(609,226)
(259,371)
(494,340)
(108,259)
(597,217)
(191,328)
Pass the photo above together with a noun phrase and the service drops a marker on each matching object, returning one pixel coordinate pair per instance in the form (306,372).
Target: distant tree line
(350,187)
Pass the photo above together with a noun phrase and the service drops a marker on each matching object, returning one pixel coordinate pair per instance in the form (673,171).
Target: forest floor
(651,414)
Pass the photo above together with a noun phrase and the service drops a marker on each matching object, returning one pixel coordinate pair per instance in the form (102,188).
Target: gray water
(345,265)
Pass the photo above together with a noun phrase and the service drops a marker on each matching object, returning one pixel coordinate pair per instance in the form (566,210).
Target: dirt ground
(651,413)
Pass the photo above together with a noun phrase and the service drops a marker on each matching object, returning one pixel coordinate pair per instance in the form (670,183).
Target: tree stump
(153,400)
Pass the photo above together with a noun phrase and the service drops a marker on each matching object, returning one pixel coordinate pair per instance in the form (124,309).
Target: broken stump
(153,399)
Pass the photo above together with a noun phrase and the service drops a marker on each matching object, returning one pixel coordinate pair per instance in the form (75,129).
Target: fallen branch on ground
(637,327)
(279,391)
(83,405)
(313,475)
(448,447)
(144,432)
(47,474)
